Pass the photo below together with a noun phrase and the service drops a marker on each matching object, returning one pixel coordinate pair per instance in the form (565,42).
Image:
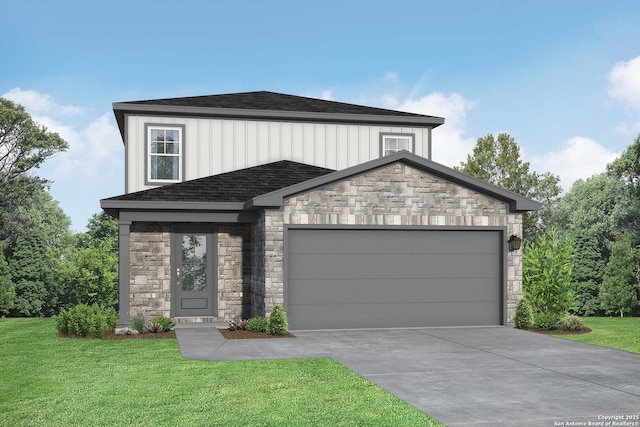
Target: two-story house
(234,203)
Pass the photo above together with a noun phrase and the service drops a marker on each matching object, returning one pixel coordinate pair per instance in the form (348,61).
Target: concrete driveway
(493,376)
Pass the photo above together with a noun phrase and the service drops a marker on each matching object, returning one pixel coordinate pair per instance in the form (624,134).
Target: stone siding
(396,194)
(150,270)
(234,271)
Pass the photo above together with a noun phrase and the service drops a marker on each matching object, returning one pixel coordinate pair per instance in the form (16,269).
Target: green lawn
(622,333)
(50,381)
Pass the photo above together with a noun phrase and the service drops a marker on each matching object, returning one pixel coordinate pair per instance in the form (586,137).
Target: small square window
(164,154)
(392,143)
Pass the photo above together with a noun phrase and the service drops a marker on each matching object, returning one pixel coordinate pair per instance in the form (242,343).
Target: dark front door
(193,275)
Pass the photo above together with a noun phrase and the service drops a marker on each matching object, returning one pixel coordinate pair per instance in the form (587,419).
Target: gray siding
(215,146)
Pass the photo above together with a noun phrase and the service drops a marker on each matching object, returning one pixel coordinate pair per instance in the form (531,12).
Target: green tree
(619,290)
(24,146)
(7,290)
(626,169)
(547,274)
(89,275)
(594,207)
(33,254)
(102,229)
(498,162)
(88,270)
(588,271)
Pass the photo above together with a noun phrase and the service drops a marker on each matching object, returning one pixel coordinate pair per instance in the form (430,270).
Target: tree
(89,275)
(594,207)
(88,270)
(7,290)
(103,229)
(547,272)
(498,162)
(588,271)
(24,146)
(33,254)
(626,169)
(619,290)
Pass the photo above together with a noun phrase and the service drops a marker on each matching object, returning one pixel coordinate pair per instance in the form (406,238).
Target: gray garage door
(393,278)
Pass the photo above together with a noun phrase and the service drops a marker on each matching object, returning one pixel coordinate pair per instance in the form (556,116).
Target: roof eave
(116,205)
(121,108)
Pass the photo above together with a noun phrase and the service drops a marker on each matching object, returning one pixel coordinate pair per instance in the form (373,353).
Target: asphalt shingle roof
(265,100)
(236,186)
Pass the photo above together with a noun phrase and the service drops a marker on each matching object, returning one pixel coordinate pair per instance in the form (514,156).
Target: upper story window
(164,153)
(392,143)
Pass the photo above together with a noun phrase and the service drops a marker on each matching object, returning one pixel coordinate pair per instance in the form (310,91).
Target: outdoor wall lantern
(514,243)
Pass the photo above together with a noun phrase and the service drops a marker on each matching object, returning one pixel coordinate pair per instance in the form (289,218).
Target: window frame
(148,127)
(385,135)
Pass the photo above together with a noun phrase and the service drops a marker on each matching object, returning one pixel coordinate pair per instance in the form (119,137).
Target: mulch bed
(113,336)
(561,331)
(240,335)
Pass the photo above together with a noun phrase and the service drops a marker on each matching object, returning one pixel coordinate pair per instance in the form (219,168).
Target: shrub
(166,323)
(153,328)
(278,324)
(84,320)
(546,321)
(547,268)
(524,314)
(240,325)
(572,323)
(139,323)
(257,324)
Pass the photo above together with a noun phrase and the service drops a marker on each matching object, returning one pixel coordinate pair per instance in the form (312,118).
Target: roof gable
(516,202)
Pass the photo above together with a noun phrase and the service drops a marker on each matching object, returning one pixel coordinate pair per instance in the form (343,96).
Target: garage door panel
(385,241)
(405,265)
(367,291)
(346,316)
(362,278)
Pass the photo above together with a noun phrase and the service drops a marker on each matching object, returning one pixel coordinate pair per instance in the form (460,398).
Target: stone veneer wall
(150,270)
(396,194)
(257,297)
(235,271)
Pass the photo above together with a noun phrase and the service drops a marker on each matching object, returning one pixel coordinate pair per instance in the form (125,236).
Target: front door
(193,275)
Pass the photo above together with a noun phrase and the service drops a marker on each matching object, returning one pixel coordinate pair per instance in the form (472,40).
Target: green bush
(87,320)
(546,321)
(524,314)
(139,323)
(572,323)
(166,323)
(278,324)
(257,324)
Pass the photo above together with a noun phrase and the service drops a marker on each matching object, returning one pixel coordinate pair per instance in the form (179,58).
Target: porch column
(124,271)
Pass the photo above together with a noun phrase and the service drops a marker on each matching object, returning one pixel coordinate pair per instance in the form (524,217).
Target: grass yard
(50,381)
(622,333)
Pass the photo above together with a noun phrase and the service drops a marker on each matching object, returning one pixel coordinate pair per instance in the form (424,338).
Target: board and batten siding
(214,146)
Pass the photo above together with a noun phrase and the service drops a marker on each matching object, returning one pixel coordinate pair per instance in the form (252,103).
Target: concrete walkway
(494,376)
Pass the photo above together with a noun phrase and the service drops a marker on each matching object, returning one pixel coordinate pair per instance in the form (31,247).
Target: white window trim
(148,128)
(384,135)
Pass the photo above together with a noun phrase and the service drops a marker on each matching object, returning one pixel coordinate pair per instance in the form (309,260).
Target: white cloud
(36,102)
(450,145)
(624,86)
(624,82)
(579,158)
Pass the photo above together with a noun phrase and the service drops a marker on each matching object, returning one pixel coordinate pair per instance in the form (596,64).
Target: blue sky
(561,77)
